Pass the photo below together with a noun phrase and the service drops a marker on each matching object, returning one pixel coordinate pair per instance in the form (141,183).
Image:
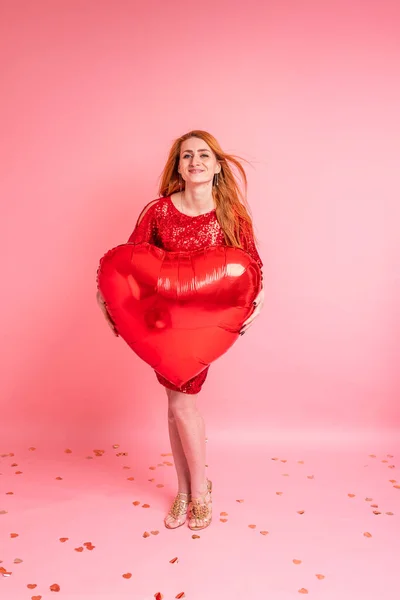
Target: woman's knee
(180,405)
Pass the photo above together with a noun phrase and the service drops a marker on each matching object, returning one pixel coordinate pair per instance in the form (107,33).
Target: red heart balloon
(179,311)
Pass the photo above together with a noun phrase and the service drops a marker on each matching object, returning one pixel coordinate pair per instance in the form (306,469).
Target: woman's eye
(202,155)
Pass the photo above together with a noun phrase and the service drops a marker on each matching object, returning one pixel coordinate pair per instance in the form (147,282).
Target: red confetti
(89,546)
(64,540)
(14,535)
(127,575)
(55,587)
(303,591)
(31,586)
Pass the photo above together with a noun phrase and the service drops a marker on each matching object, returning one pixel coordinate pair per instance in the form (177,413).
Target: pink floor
(330,510)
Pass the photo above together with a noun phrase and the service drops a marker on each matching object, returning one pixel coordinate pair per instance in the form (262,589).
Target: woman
(200,206)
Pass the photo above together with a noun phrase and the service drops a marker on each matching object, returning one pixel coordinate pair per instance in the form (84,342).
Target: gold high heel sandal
(178,510)
(201,508)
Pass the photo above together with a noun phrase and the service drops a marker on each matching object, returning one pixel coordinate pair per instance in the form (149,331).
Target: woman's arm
(146,226)
(249,246)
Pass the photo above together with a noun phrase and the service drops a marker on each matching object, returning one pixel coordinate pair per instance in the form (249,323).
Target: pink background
(92,95)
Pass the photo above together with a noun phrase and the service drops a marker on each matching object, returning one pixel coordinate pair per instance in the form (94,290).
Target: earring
(216,178)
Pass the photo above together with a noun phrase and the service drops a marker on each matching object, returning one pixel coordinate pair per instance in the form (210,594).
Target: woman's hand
(258,304)
(102,304)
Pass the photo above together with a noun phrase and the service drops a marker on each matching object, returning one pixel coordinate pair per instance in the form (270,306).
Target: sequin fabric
(163,225)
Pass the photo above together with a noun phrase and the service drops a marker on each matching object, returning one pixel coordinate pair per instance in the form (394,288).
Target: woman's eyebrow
(201,150)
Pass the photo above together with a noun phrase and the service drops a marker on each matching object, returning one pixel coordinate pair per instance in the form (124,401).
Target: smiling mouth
(195,171)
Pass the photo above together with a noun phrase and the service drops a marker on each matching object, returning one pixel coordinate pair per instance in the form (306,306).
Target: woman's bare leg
(181,465)
(191,428)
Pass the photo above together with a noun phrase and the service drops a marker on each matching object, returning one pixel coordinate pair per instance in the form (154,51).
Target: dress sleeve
(249,244)
(146,227)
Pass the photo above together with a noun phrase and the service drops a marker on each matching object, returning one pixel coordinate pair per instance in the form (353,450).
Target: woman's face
(197,162)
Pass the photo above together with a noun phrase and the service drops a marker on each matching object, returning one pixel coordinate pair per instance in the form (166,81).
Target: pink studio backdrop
(93,93)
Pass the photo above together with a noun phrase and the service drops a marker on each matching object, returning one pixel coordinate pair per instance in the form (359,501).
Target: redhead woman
(201,204)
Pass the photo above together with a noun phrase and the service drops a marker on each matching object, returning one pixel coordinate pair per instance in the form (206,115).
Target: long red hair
(229,196)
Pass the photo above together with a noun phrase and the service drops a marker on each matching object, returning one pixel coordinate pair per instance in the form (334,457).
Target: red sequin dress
(163,225)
